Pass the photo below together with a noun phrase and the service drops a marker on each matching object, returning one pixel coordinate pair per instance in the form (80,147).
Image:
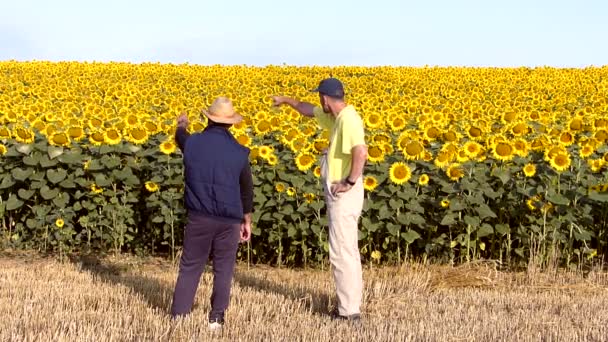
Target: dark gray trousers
(205,236)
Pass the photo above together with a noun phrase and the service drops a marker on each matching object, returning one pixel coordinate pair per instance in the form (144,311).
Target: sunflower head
(400,173)
(3,150)
(560,162)
(455,172)
(370,183)
(151,186)
(59,223)
(280,187)
(304,161)
(529,170)
(423,180)
(503,151)
(375,153)
(167,147)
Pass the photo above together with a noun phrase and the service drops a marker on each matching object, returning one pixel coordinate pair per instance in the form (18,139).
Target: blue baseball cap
(330,87)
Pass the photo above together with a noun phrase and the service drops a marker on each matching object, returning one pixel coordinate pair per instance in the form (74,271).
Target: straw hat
(222,111)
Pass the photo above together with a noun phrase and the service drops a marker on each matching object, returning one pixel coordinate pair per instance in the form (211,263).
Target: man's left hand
(182,120)
(340,187)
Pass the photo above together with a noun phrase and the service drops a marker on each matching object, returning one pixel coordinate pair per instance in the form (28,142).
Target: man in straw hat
(219,200)
(341,170)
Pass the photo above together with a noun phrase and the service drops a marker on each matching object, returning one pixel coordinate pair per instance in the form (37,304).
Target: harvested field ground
(127,299)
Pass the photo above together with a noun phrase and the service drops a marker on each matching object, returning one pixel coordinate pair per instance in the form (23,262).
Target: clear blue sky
(561,33)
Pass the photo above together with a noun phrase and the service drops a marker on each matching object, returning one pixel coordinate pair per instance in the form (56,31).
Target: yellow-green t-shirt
(346,131)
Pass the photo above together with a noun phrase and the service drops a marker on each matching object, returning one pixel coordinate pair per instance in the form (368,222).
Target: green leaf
(24,148)
(46,162)
(56,176)
(410,236)
(415,207)
(558,199)
(485,230)
(484,211)
(21,174)
(472,221)
(25,194)
(449,219)
(600,197)
(503,175)
(13,203)
(102,180)
(32,160)
(395,203)
(54,151)
(71,157)
(457,205)
(48,193)
(7,182)
(61,200)
(503,229)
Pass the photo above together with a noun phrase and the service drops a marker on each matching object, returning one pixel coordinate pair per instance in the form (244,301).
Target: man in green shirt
(342,174)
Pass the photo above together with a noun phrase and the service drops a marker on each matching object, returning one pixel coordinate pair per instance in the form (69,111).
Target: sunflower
(151,186)
(59,139)
(132,120)
(319,145)
(596,165)
(472,148)
(443,159)
(375,153)
(137,135)
(291,191)
(3,150)
(522,147)
(262,127)
(151,127)
(304,161)
(474,132)
(272,160)
(397,123)
(59,223)
(560,162)
(455,172)
(310,197)
(529,170)
(298,144)
(112,136)
(243,139)
(167,147)
(23,135)
(553,151)
(75,132)
(432,133)
(503,151)
(586,151)
(96,189)
(5,133)
(264,151)
(445,203)
(317,172)
(423,179)
(566,138)
(576,124)
(370,183)
(96,138)
(280,187)
(519,129)
(462,157)
(400,173)
(373,120)
(414,150)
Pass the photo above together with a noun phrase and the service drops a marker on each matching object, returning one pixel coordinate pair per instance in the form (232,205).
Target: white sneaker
(215,326)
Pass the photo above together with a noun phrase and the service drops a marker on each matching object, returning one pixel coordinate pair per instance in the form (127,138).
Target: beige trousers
(344,211)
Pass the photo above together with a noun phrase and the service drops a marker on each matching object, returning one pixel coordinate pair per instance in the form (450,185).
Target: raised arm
(303,108)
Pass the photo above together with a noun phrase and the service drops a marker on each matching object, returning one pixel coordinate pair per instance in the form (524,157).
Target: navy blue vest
(213,161)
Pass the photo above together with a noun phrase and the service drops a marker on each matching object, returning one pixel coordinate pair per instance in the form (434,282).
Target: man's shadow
(154,292)
(315,301)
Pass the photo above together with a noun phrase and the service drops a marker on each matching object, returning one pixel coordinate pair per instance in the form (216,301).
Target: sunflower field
(464,163)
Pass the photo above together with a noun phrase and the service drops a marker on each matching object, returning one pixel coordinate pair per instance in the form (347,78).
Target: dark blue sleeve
(181,135)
